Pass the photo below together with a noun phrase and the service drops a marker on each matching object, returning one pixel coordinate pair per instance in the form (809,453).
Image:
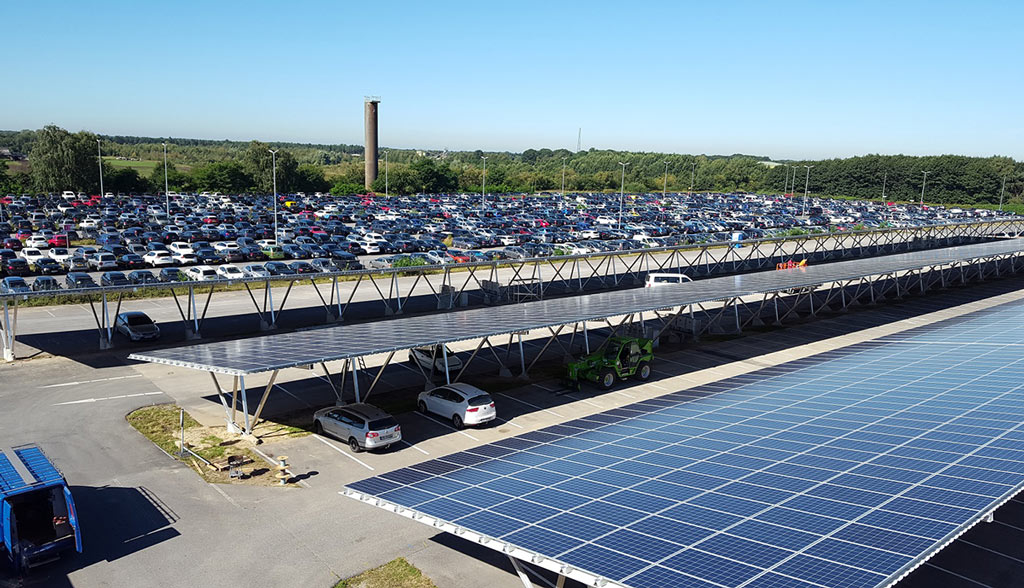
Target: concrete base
(8,355)
(265,326)
(192,336)
(504,372)
(105,343)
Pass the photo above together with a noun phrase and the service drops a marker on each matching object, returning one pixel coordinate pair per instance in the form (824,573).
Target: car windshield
(384,423)
(139,319)
(15,282)
(481,400)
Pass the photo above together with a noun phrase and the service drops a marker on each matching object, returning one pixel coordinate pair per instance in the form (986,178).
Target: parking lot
(144,514)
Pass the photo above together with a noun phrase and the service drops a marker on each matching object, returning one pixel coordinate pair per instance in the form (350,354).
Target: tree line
(60,160)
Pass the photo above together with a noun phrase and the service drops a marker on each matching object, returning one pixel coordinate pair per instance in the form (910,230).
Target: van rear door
(73,518)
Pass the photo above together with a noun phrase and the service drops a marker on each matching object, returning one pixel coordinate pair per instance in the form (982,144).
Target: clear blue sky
(784,79)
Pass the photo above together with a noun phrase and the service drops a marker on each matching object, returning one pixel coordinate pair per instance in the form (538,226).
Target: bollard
(282,465)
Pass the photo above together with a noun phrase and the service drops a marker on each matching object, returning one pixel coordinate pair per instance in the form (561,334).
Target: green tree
(343,188)
(64,161)
(176,180)
(222,176)
(309,178)
(125,180)
(258,163)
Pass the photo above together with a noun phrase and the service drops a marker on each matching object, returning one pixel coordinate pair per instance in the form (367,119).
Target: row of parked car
(134,232)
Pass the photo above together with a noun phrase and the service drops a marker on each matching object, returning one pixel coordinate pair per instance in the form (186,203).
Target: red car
(458,256)
(12,244)
(59,240)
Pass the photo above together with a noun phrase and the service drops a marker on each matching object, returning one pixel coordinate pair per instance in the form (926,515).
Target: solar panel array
(847,469)
(273,352)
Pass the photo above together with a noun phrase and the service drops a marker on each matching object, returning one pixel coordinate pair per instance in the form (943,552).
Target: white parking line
(404,442)
(531,405)
(92,381)
(508,422)
(224,494)
(584,400)
(341,451)
(88,400)
(282,389)
(444,424)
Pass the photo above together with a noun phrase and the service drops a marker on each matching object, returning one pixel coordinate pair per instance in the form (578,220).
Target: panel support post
(355,379)
(586,340)
(10,328)
(521,572)
(245,405)
(447,370)
(522,358)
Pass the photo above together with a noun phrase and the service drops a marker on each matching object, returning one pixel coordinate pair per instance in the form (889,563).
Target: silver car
(362,426)
(462,403)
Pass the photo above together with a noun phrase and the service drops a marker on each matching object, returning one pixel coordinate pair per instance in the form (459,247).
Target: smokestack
(370,148)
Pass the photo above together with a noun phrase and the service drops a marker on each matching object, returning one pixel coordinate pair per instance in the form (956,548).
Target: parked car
(462,403)
(159,259)
(171,274)
(201,273)
(103,261)
(46,266)
(15,267)
(278,268)
(142,277)
(230,272)
(76,280)
(362,426)
(76,264)
(45,284)
(131,261)
(431,358)
(113,279)
(137,326)
(255,271)
(665,279)
(14,285)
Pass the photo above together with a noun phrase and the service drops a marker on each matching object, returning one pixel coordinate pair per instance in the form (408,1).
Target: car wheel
(422,406)
(643,371)
(354,445)
(457,422)
(318,428)
(607,379)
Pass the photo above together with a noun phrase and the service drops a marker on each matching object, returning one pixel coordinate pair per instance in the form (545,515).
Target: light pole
(622,191)
(807,183)
(563,178)
(785,181)
(99,156)
(273,163)
(923,182)
(1001,191)
(167,193)
(386,174)
(885,177)
(693,168)
(664,187)
(483,186)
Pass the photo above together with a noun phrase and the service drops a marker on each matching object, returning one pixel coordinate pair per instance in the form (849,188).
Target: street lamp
(785,180)
(386,174)
(622,191)
(923,182)
(483,187)
(273,160)
(664,187)
(885,177)
(693,168)
(99,156)
(167,193)
(807,183)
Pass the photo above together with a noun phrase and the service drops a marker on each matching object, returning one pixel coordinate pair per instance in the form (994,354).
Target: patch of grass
(397,573)
(145,167)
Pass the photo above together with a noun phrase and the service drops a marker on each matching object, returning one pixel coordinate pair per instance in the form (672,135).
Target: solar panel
(847,469)
(273,352)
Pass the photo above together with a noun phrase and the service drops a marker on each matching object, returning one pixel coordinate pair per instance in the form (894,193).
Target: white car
(437,257)
(369,246)
(103,261)
(230,272)
(255,271)
(37,242)
(462,403)
(431,358)
(225,246)
(60,254)
(201,273)
(188,258)
(265,243)
(32,255)
(159,259)
(180,247)
(664,279)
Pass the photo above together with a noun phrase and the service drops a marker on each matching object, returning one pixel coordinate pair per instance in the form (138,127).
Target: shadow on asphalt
(115,522)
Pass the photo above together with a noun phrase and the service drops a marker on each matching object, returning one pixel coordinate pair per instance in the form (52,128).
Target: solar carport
(847,469)
(849,281)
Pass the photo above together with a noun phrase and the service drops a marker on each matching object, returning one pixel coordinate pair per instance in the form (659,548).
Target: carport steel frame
(834,285)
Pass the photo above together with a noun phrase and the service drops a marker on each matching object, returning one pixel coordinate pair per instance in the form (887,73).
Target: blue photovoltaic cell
(841,470)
